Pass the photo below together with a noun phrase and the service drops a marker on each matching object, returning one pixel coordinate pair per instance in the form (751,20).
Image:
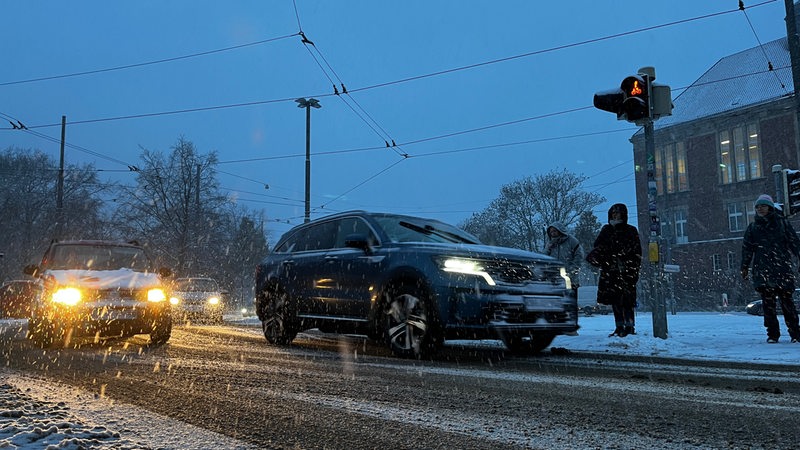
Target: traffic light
(631,101)
(791,191)
(636,105)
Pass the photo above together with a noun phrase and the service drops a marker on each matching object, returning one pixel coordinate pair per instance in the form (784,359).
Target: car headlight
(174,300)
(67,296)
(467,267)
(213,300)
(156,295)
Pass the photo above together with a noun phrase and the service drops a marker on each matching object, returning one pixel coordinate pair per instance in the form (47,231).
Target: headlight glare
(213,300)
(156,295)
(67,296)
(174,300)
(468,267)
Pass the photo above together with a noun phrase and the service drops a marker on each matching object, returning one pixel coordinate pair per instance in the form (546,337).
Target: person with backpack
(617,253)
(768,245)
(565,247)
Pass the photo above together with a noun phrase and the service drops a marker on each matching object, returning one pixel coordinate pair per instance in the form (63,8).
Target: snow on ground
(35,414)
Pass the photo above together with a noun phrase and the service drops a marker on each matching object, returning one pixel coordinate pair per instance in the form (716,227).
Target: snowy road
(212,384)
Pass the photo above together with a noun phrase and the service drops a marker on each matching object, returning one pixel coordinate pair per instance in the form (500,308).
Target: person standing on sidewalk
(618,253)
(565,247)
(768,245)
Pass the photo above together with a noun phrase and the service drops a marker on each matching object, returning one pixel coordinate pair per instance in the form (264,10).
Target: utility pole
(308,104)
(794,55)
(60,183)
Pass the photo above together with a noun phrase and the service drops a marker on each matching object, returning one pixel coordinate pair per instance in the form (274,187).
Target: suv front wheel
(409,323)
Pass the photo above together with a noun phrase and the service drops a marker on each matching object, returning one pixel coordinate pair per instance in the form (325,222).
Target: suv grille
(518,273)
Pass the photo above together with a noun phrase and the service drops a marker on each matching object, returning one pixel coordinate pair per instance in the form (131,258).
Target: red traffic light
(636,105)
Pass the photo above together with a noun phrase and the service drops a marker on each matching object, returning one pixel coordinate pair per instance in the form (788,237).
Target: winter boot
(617,331)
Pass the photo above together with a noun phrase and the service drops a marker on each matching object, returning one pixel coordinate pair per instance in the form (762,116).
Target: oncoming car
(756,307)
(412,282)
(196,299)
(100,289)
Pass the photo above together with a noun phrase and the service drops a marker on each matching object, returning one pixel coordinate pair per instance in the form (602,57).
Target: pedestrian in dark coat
(618,253)
(565,247)
(768,245)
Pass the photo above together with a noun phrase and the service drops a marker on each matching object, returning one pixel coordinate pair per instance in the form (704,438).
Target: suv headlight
(467,267)
(156,295)
(67,296)
(563,273)
(213,300)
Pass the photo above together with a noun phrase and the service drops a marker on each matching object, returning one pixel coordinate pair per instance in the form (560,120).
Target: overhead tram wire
(147,63)
(552,49)
(371,123)
(760,45)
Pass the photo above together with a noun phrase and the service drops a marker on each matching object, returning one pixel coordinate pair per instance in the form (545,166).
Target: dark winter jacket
(768,245)
(568,249)
(619,253)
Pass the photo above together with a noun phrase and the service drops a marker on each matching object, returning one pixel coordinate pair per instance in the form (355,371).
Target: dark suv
(411,281)
(98,289)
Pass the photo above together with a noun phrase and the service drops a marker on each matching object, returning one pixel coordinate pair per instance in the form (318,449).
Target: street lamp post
(308,104)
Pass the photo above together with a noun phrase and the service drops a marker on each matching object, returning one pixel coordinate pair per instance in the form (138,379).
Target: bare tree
(520,215)
(177,205)
(28,203)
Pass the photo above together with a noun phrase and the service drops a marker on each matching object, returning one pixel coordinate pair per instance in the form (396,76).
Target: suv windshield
(97,257)
(198,285)
(402,229)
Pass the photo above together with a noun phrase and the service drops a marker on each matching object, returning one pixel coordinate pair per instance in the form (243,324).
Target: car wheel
(162,330)
(279,324)
(408,323)
(526,342)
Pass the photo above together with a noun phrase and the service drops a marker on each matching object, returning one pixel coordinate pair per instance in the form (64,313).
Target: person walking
(618,253)
(768,245)
(565,247)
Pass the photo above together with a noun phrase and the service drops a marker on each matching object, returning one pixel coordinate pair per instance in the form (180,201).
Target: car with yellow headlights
(196,299)
(99,289)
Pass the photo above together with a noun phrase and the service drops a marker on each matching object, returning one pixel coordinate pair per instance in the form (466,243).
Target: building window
(716,262)
(731,260)
(671,168)
(739,154)
(680,228)
(737,218)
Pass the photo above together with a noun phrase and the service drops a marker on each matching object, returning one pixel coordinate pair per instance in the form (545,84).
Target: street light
(308,104)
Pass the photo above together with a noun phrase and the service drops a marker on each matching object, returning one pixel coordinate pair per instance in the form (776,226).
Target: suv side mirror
(165,272)
(358,240)
(31,269)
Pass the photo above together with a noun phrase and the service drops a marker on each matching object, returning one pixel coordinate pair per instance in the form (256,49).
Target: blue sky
(437,78)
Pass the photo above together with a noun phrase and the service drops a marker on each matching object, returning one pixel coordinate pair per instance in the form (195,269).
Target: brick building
(713,157)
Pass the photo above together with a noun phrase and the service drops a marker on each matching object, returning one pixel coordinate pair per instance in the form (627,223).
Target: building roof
(734,82)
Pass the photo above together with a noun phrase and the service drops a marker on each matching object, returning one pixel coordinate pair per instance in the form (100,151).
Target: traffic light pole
(656,289)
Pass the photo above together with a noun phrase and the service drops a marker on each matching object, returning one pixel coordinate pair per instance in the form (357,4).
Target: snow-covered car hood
(104,279)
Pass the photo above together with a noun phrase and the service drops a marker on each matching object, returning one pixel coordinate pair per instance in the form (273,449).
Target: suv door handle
(287,263)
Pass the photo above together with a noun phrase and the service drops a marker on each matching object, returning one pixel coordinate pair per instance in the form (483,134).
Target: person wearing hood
(565,247)
(768,245)
(618,253)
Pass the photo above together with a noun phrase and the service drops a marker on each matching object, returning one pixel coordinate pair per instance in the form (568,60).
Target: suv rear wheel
(279,324)
(409,323)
